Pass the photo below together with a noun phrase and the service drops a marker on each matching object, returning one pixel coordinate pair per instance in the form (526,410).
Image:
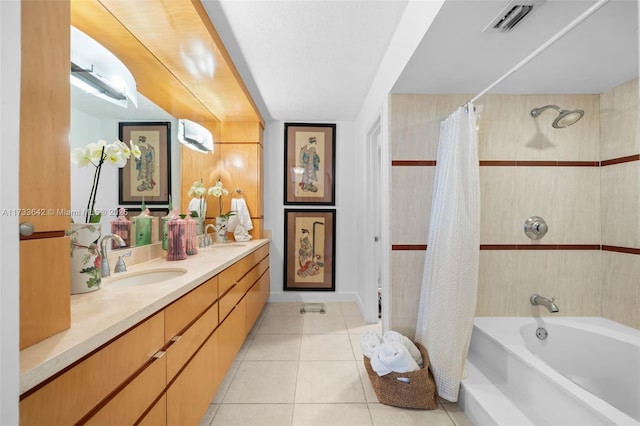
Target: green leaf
(95,218)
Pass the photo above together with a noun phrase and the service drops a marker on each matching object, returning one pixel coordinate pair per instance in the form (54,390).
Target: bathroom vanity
(152,353)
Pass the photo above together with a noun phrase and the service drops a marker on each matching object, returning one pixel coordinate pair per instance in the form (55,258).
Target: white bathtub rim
(512,342)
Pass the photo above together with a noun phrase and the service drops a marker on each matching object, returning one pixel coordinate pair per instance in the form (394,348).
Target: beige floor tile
(355,345)
(274,347)
(209,415)
(323,324)
(455,413)
(263,382)
(328,382)
(282,308)
(334,347)
(356,325)
(253,414)
(369,393)
(350,308)
(385,415)
(331,414)
(276,324)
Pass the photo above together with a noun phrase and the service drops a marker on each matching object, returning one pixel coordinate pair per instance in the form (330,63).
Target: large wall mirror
(93,119)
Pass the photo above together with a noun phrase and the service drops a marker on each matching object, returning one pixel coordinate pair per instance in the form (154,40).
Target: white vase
(221,229)
(85,259)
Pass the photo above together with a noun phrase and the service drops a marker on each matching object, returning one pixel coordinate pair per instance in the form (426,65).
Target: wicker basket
(417,389)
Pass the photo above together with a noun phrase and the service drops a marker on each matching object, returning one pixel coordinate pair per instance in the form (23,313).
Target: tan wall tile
(411,204)
(621,288)
(405,286)
(619,121)
(621,204)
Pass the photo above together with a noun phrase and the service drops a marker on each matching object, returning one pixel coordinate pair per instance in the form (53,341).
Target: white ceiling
(314,60)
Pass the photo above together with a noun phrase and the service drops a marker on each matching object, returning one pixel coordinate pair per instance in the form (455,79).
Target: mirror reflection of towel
(240,223)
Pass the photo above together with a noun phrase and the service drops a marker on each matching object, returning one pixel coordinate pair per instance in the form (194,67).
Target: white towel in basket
(392,357)
(394,336)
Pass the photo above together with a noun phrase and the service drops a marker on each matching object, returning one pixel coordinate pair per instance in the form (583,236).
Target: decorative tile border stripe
(409,247)
(526,163)
(413,247)
(413,163)
(618,249)
(620,160)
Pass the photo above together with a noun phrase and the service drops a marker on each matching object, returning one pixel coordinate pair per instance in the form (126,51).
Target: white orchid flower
(135,150)
(115,156)
(79,157)
(126,152)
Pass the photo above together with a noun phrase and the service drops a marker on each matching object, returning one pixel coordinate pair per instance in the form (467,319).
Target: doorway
(375,289)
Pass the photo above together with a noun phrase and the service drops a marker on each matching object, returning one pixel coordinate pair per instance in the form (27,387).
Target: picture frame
(309,163)
(310,249)
(149,176)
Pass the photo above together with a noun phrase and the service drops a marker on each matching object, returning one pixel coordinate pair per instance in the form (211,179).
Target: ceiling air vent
(512,14)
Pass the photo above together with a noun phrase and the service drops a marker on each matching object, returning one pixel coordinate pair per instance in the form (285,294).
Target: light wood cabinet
(166,369)
(71,396)
(44,169)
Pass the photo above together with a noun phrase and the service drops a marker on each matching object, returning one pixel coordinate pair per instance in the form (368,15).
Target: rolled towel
(369,342)
(394,336)
(392,356)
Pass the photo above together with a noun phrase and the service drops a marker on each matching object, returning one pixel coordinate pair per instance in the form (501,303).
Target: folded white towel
(394,336)
(392,356)
(369,342)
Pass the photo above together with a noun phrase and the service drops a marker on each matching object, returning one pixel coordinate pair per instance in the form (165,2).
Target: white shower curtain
(449,283)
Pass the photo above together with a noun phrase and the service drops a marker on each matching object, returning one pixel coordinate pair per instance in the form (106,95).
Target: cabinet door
(256,298)
(44,288)
(76,392)
(45,112)
(189,396)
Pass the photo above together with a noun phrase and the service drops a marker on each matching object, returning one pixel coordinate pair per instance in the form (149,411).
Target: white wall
(354,277)
(348,214)
(415,22)
(9,246)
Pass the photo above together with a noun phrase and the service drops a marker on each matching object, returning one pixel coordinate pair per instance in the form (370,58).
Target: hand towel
(394,336)
(242,216)
(392,357)
(369,342)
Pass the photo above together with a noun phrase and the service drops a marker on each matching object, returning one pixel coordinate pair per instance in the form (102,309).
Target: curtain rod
(544,46)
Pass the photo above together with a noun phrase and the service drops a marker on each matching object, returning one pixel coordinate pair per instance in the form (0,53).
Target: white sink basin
(154,276)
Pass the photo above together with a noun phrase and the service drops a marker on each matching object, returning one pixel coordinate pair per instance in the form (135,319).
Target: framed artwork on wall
(310,246)
(309,159)
(150,175)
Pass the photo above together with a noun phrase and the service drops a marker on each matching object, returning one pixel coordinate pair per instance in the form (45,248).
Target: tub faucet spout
(536,299)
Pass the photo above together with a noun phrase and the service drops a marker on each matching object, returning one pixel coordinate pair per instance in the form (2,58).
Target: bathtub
(552,371)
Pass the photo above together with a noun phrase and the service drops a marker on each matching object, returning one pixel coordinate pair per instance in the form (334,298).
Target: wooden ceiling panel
(177,59)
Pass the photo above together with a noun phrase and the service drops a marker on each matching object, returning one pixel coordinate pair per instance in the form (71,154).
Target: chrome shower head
(566,117)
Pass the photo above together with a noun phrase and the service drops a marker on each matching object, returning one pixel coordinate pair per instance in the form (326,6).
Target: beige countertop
(101,315)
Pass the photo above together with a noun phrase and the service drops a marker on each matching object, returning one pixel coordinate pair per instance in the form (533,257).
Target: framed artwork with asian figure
(309,158)
(149,176)
(310,246)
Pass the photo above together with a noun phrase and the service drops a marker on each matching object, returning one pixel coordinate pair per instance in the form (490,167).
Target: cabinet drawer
(232,334)
(71,395)
(132,401)
(180,313)
(157,416)
(241,286)
(186,344)
(235,272)
(189,396)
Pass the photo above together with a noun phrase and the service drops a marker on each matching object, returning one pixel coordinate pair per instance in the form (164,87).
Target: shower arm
(542,48)
(537,111)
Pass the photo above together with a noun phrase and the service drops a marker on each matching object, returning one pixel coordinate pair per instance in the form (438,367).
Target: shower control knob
(535,227)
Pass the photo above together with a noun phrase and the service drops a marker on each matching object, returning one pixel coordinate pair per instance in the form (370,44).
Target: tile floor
(306,369)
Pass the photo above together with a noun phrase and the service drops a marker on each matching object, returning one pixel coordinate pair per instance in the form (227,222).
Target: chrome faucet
(105,270)
(207,239)
(536,299)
